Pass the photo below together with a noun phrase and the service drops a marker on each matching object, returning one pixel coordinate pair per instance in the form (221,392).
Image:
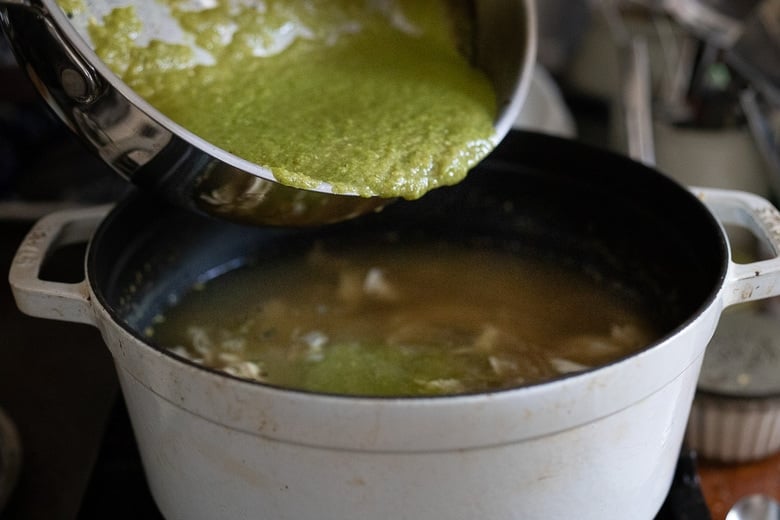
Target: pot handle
(755,280)
(47,299)
(66,67)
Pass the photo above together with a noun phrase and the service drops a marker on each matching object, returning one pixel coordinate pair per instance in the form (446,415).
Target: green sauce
(373,98)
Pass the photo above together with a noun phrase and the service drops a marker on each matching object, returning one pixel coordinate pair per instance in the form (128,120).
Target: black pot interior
(535,195)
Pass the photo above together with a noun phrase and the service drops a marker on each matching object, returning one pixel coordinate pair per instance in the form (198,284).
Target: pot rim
(435,423)
(707,303)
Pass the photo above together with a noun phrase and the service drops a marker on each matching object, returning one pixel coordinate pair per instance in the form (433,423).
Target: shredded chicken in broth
(402,321)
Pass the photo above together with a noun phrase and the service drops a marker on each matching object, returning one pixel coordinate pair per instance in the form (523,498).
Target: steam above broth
(406,320)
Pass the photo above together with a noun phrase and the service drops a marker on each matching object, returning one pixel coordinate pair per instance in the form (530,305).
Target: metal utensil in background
(679,53)
(764,121)
(756,54)
(633,118)
(636,98)
(150,150)
(718,22)
(755,507)
(709,124)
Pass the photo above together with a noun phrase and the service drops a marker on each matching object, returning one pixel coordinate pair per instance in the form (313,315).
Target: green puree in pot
(372,97)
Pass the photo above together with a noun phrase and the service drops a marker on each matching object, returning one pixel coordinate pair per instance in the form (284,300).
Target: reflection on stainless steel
(254,201)
(121,134)
(150,150)
(755,507)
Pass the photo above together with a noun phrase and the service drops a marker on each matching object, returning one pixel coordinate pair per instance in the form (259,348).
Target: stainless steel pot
(153,152)
(600,444)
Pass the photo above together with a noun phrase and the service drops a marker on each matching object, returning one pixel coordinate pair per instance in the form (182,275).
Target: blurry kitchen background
(692,86)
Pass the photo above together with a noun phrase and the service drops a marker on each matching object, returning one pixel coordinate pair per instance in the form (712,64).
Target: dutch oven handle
(48,299)
(755,280)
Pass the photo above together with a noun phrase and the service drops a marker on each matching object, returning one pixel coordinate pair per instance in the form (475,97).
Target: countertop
(724,484)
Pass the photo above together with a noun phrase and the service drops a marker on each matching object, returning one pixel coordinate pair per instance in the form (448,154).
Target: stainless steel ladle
(755,507)
(153,152)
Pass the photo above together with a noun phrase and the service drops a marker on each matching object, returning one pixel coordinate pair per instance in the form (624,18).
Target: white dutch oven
(601,444)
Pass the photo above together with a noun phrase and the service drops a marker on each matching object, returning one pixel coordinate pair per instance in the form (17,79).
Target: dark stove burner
(685,500)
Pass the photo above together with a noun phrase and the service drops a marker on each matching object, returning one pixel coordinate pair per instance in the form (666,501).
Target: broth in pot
(403,319)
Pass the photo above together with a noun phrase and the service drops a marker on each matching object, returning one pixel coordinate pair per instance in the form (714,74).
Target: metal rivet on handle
(74,85)
(77,78)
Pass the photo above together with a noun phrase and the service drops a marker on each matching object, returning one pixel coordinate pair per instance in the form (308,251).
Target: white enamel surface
(463,422)
(586,447)
(756,280)
(45,299)
(591,446)
(599,470)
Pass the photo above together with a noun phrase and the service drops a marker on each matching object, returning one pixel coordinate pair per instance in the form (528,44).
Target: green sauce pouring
(371,97)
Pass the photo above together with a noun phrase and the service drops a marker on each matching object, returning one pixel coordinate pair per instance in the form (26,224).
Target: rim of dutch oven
(128,201)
